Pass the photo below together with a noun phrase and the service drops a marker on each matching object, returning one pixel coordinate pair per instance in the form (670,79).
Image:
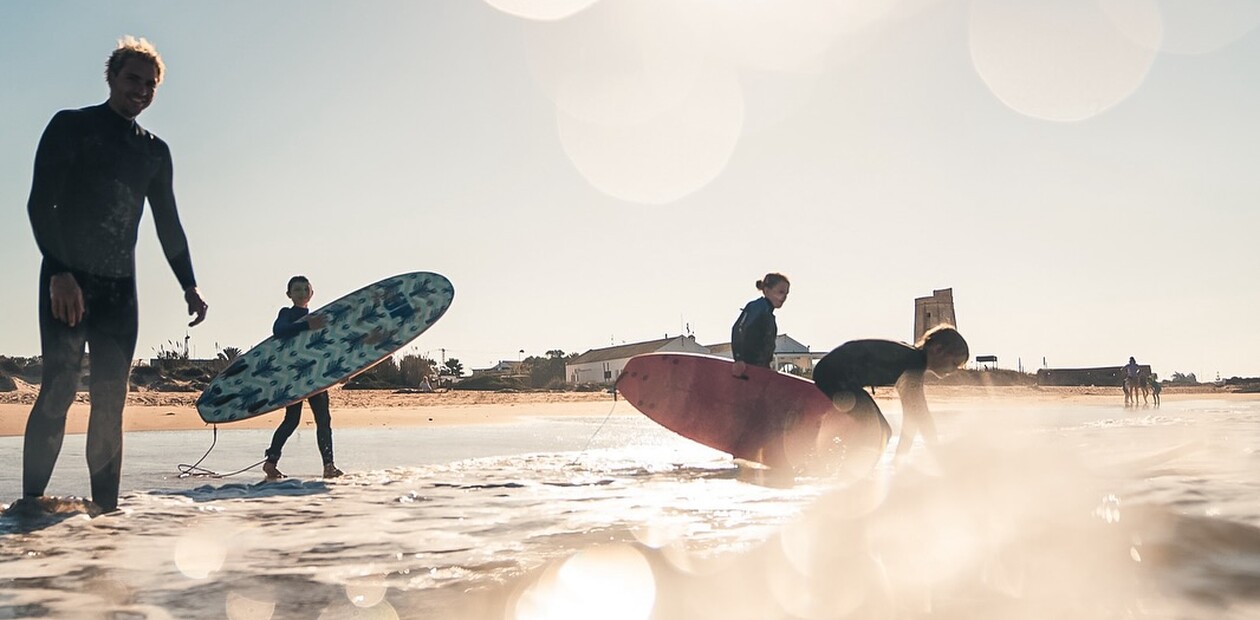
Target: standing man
(1132,379)
(94,168)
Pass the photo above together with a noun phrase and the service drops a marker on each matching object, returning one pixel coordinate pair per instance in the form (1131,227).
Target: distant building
(605,365)
(789,354)
(932,311)
(1104,375)
(503,368)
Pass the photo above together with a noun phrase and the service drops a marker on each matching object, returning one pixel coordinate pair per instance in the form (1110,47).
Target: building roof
(783,345)
(503,364)
(622,351)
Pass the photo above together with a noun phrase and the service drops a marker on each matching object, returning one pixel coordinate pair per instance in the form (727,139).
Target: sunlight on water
(198,555)
(656,535)
(244,608)
(1061,60)
(543,10)
(611,582)
(1109,509)
(1061,512)
(347,611)
(366,593)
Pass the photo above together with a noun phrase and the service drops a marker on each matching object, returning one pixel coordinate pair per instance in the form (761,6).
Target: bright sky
(1082,173)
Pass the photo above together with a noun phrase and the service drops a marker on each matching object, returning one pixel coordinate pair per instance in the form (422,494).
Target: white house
(789,354)
(605,365)
(504,367)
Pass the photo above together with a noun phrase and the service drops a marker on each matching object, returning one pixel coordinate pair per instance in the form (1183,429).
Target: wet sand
(170,411)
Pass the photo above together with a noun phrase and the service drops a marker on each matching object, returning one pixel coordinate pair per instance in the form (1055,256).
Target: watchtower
(932,311)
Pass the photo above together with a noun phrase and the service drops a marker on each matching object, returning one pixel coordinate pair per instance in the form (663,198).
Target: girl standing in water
(754,332)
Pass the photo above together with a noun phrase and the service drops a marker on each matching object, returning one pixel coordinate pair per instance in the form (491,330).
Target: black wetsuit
(289,323)
(93,172)
(753,334)
(844,373)
(867,363)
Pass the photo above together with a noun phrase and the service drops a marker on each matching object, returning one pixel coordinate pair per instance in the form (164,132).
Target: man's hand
(196,305)
(67,299)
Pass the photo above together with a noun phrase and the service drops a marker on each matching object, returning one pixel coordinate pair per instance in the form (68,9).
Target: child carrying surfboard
(290,322)
(844,373)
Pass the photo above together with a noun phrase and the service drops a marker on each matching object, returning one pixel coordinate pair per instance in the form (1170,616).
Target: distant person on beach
(1132,381)
(1156,388)
(94,169)
(754,332)
(290,322)
(845,372)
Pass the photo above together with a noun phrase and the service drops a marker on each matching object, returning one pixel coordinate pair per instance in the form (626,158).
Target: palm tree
(453,368)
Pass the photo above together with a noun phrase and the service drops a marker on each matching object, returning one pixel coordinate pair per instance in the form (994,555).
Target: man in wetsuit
(94,168)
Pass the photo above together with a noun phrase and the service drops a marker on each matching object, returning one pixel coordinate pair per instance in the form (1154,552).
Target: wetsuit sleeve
(286,327)
(170,232)
(749,334)
(53,158)
(738,336)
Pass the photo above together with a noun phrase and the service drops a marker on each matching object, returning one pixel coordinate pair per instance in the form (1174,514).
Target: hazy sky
(1082,173)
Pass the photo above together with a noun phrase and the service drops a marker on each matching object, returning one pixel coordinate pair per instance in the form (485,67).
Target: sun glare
(1064,60)
(541,10)
(198,555)
(1200,26)
(244,608)
(611,582)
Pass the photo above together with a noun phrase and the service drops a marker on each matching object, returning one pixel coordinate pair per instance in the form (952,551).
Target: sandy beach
(159,411)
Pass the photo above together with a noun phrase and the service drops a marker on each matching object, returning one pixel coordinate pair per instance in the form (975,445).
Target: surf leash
(196,471)
(598,428)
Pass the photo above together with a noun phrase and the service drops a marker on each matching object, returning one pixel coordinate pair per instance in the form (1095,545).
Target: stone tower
(932,311)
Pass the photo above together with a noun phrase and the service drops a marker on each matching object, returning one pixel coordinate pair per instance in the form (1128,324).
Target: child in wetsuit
(844,373)
(754,332)
(289,323)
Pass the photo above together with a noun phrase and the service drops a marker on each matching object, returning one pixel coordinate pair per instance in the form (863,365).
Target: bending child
(844,373)
(289,323)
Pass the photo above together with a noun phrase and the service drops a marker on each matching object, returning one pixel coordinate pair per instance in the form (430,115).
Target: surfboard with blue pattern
(363,328)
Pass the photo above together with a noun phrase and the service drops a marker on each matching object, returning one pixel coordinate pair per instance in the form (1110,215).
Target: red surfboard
(773,418)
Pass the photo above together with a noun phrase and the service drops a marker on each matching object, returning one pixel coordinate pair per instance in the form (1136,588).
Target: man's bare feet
(272,472)
(331,471)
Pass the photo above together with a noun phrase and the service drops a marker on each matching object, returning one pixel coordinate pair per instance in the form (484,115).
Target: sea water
(1026,511)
